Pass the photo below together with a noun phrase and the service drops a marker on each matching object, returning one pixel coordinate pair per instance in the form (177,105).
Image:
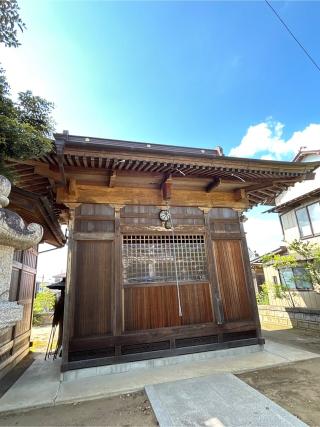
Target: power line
(292,35)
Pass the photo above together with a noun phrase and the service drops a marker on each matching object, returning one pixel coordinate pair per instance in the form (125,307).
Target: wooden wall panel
(94,218)
(94,210)
(30,258)
(17,256)
(150,307)
(14,285)
(231,279)
(196,304)
(149,216)
(94,226)
(26,290)
(93,288)
(227,213)
(140,215)
(153,307)
(17,338)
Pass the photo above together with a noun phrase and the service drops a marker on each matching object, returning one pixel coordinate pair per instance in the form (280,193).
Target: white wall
(301,188)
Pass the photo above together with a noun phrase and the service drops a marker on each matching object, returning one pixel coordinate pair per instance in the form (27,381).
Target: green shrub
(44,301)
(263,295)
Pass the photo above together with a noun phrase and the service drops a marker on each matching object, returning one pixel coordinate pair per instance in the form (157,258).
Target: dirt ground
(39,338)
(131,409)
(295,387)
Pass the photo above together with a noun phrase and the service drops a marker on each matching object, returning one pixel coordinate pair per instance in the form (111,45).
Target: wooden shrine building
(158,263)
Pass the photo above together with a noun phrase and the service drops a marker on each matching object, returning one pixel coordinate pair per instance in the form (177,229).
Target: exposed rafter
(60,154)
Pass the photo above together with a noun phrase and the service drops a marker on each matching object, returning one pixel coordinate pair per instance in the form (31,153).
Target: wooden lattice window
(163,258)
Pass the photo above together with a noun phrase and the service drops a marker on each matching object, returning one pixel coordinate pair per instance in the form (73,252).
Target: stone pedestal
(14,234)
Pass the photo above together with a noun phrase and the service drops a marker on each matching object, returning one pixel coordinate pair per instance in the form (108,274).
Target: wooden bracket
(213,184)
(72,187)
(205,210)
(240,194)
(166,187)
(111,179)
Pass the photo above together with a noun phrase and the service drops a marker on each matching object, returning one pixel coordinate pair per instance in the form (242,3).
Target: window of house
(295,278)
(309,220)
(314,214)
(304,222)
(287,220)
(154,259)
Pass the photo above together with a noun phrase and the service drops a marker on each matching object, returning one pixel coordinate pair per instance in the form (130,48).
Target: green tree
(25,126)
(10,22)
(306,253)
(310,253)
(44,301)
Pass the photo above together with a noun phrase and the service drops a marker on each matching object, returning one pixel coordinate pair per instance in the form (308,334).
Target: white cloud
(263,232)
(268,157)
(266,139)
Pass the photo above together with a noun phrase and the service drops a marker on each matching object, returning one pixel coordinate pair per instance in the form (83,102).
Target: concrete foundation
(157,363)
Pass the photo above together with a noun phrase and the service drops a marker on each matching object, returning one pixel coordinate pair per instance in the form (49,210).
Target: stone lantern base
(10,314)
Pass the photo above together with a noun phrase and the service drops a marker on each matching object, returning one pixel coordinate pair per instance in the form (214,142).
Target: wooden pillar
(212,273)
(68,317)
(117,296)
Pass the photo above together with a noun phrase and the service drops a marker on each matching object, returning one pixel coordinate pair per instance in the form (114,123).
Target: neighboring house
(299,214)
(261,274)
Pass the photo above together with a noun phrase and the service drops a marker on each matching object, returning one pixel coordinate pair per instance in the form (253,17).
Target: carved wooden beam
(213,184)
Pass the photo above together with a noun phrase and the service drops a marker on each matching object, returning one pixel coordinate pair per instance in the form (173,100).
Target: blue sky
(186,73)
(192,73)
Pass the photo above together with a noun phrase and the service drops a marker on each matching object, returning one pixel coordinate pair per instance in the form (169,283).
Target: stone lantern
(14,234)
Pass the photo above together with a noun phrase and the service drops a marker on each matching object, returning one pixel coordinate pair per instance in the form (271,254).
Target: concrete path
(41,383)
(217,401)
